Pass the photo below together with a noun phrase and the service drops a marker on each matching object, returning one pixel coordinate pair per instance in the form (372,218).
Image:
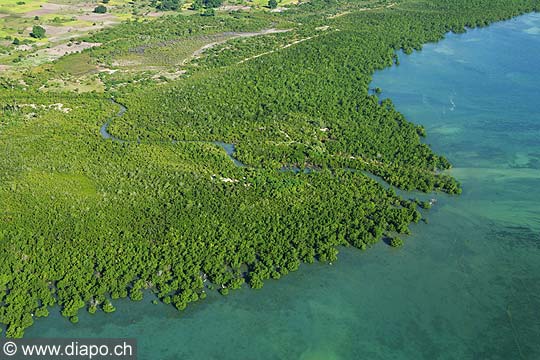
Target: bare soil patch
(154,14)
(234,7)
(234,35)
(64,49)
(105,18)
(125,63)
(52,30)
(23,47)
(48,8)
(57,32)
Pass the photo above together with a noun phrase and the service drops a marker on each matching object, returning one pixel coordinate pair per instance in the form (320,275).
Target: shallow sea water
(465,286)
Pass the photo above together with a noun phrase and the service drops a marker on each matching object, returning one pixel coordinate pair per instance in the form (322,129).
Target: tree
(212,3)
(396,242)
(37,32)
(100,9)
(197,4)
(272,4)
(169,5)
(108,307)
(208,12)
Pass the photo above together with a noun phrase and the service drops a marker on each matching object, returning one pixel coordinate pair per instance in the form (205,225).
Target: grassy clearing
(75,65)
(167,54)
(20,6)
(16,26)
(17,20)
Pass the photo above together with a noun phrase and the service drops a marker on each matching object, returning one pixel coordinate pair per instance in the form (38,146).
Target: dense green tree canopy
(212,3)
(100,9)
(86,220)
(169,5)
(38,32)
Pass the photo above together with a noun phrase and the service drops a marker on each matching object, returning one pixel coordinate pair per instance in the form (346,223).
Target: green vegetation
(165,5)
(100,9)
(212,3)
(85,221)
(396,242)
(38,32)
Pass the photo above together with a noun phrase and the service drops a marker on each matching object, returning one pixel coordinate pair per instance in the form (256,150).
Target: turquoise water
(465,286)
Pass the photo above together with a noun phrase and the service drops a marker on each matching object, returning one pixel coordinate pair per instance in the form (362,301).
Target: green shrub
(396,242)
(100,9)
(38,32)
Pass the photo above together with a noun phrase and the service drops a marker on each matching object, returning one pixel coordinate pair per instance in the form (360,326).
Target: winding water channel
(104,131)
